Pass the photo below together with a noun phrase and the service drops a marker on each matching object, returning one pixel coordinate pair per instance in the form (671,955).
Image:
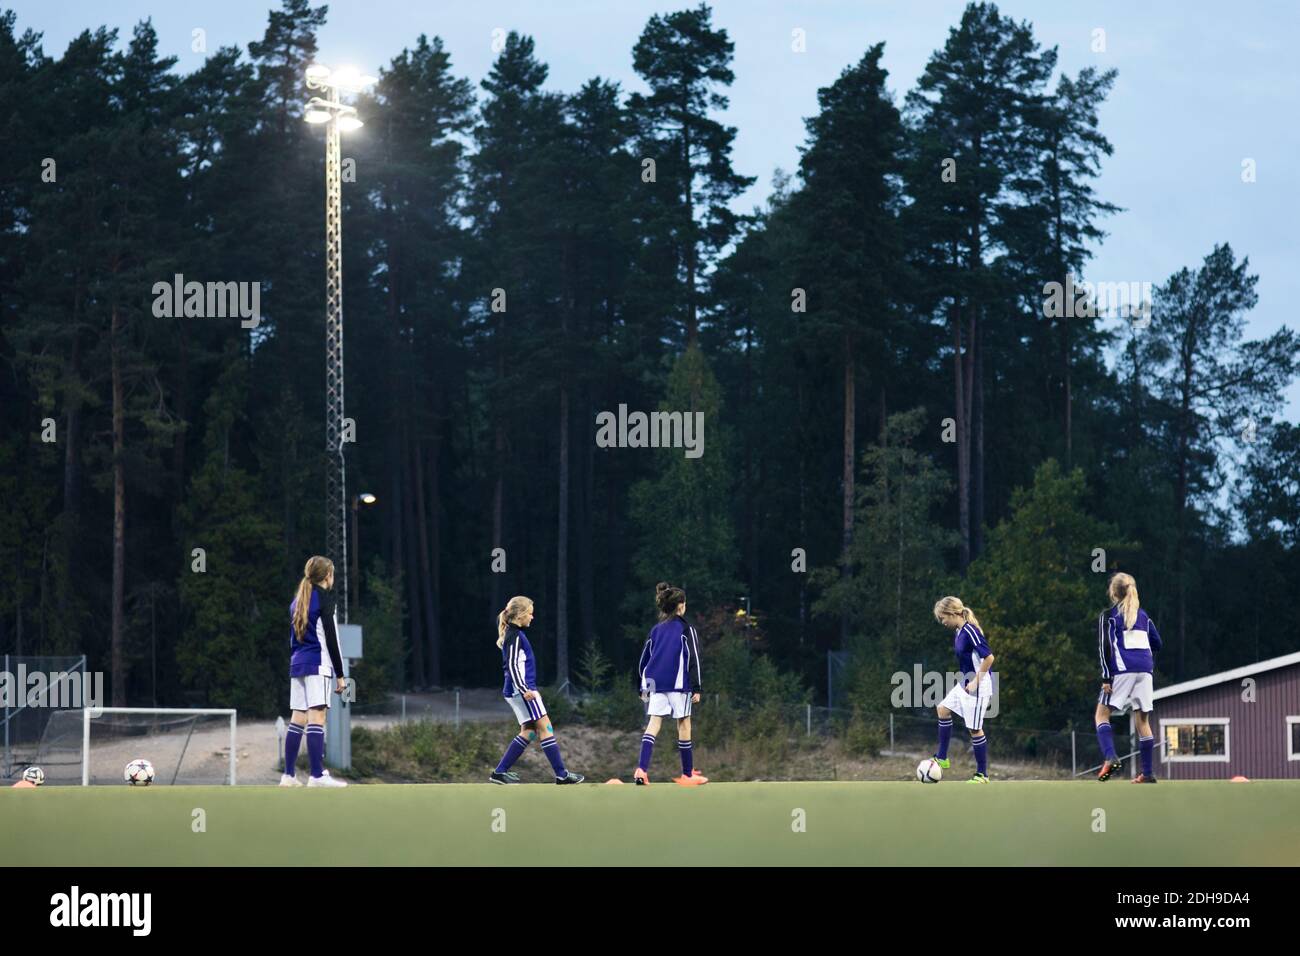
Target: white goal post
(90,713)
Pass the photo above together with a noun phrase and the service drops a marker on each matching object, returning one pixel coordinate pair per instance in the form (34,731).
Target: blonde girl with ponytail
(971,696)
(520,691)
(1127,640)
(314,661)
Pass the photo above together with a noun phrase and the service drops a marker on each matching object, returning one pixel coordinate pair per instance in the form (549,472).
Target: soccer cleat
(691,781)
(287,781)
(571,777)
(699,776)
(503,777)
(1143,778)
(1108,768)
(978,778)
(943,762)
(325,780)
(641,778)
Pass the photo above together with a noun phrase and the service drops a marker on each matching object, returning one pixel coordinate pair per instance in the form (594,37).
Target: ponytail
(1123,592)
(950,607)
(314,574)
(514,607)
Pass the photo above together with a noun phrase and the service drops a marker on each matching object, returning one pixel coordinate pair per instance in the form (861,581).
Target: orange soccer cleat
(641,778)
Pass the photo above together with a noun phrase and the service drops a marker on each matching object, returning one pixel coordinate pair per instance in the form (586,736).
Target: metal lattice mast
(336,494)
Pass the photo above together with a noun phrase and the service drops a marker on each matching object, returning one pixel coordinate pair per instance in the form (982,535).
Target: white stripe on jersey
(518,674)
(326,667)
(1116,656)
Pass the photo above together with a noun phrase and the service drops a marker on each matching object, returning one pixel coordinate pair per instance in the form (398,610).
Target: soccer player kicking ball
(671,653)
(1126,638)
(971,697)
(520,692)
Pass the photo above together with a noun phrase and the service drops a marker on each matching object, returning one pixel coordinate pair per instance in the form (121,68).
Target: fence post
(403,708)
(1074,763)
(809,719)
(279,745)
(458,708)
(891,734)
(7,765)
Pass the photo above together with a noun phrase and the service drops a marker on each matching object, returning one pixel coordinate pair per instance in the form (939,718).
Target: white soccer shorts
(308,692)
(971,708)
(1134,690)
(675,704)
(527,711)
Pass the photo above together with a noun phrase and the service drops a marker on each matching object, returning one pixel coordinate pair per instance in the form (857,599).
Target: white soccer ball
(34,775)
(138,773)
(929,771)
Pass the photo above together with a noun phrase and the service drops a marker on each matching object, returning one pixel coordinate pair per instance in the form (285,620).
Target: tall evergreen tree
(970,117)
(685,62)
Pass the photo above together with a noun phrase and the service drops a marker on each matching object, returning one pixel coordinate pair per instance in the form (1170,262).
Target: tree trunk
(846,536)
(562,550)
(71,521)
(182,405)
(119,516)
(412,564)
(977,437)
(435,553)
(431,675)
(586,562)
(963,441)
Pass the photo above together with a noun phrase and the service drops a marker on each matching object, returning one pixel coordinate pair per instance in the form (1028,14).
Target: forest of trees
(885,395)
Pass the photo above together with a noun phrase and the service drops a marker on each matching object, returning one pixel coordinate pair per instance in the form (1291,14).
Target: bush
(427,751)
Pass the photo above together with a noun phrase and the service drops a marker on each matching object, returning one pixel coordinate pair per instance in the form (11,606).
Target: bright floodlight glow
(351,79)
(313,115)
(367,498)
(317,72)
(349,123)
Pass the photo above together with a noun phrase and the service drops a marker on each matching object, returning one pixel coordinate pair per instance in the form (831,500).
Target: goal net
(83,747)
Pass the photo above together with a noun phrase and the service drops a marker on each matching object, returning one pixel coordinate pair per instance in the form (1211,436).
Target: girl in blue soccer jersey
(971,696)
(1126,640)
(669,683)
(314,663)
(520,692)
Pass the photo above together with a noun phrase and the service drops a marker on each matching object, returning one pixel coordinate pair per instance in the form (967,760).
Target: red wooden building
(1245,721)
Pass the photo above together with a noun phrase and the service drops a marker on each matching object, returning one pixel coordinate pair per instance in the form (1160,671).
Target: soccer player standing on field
(1126,638)
(972,694)
(666,684)
(520,692)
(314,660)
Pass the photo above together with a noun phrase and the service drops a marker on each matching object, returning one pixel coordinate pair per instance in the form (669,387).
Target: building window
(1195,738)
(1293,738)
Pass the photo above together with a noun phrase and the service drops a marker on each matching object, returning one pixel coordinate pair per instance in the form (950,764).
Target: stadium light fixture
(327,110)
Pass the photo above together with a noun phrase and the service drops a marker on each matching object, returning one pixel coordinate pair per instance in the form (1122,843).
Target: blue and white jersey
(970,647)
(1125,650)
(518,662)
(317,652)
(671,653)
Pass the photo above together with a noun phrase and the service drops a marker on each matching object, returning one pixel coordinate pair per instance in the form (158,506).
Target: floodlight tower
(337,118)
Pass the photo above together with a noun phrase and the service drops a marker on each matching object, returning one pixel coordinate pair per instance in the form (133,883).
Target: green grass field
(1029,823)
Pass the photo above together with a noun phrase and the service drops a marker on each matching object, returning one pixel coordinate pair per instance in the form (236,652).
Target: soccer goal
(186,746)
